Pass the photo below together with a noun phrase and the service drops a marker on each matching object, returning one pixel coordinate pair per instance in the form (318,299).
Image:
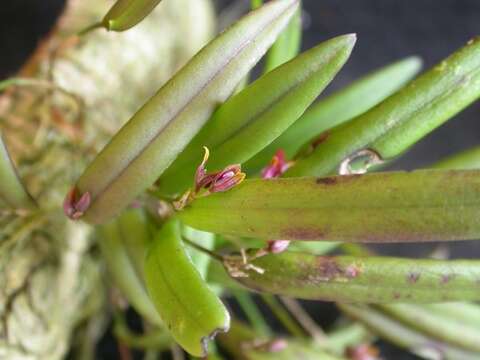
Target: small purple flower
(218,181)
(75,204)
(278,165)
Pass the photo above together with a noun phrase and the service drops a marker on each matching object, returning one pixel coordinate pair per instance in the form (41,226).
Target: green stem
(252,312)
(282,315)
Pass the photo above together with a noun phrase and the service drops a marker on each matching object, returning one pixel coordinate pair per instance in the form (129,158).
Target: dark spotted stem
(425,205)
(349,279)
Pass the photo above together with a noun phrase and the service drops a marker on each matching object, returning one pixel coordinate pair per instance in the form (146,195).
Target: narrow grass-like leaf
(404,118)
(252,119)
(468,159)
(191,311)
(140,152)
(136,234)
(125,14)
(287,45)
(12,191)
(360,280)
(422,205)
(467,314)
(405,337)
(436,325)
(337,108)
(123,272)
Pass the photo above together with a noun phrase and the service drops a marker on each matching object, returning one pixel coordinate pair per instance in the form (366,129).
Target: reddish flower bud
(278,165)
(226,179)
(277,246)
(75,204)
(218,181)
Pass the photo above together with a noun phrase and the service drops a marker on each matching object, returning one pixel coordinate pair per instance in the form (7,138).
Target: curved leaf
(140,152)
(125,14)
(468,159)
(360,279)
(404,118)
(379,207)
(123,272)
(287,45)
(250,120)
(337,108)
(404,336)
(12,191)
(436,325)
(191,311)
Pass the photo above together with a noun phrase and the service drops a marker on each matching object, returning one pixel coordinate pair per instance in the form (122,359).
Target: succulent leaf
(140,152)
(374,280)
(191,311)
(404,118)
(335,109)
(424,205)
(125,14)
(250,120)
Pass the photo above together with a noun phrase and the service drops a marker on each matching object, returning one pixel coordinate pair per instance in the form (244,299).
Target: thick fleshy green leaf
(253,118)
(191,311)
(436,325)
(125,14)
(404,118)
(140,152)
(112,239)
(360,279)
(12,191)
(469,159)
(287,45)
(422,205)
(337,108)
(404,336)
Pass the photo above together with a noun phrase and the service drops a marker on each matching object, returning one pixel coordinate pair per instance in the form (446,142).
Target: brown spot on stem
(396,295)
(413,277)
(334,180)
(303,234)
(320,139)
(328,268)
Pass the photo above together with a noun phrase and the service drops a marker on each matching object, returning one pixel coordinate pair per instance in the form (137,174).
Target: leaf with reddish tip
(191,311)
(404,118)
(253,118)
(140,152)
(360,279)
(12,191)
(414,206)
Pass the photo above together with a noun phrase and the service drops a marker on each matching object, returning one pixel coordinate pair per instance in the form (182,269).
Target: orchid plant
(220,188)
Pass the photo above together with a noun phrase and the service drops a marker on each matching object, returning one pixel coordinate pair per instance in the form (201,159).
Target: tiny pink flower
(277,246)
(218,181)
(278,165)
(227,178)
(75,204)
